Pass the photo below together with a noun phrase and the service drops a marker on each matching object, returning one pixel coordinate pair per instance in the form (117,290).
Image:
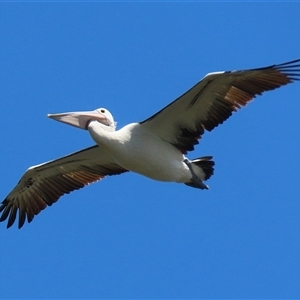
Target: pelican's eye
(102,110)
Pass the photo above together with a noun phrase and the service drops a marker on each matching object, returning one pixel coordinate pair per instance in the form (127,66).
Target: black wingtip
(289,63)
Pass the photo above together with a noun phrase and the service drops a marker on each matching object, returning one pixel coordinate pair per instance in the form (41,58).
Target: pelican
(155,147)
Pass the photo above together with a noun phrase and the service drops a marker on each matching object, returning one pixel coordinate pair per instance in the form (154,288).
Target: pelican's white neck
(101,134)
(108,137)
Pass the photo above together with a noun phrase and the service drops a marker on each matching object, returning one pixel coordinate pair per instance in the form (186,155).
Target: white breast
(143,152)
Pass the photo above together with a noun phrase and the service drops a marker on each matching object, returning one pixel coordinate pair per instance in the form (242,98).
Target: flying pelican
(155,147)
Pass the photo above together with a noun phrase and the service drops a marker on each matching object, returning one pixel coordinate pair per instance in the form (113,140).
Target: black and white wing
(213,100)
(44,184)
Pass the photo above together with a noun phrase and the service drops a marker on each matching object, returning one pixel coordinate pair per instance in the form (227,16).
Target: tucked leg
(196,181)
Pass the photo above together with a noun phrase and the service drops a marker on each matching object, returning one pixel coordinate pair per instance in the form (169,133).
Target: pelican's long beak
(79,119)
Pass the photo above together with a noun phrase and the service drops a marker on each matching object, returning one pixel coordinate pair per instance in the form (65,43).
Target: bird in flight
(155,147)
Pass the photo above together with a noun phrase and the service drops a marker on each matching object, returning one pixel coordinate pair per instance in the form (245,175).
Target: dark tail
(206,164)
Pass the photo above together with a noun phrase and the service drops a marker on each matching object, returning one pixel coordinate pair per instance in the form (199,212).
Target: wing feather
(43,185)
(213,100)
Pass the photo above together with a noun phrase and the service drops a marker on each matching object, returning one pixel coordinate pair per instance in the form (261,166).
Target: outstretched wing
(44,184)
(213,100)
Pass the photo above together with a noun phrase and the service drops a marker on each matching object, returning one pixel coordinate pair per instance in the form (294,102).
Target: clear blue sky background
(129,236)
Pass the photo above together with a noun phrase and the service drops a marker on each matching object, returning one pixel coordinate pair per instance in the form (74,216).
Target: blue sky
(129,236)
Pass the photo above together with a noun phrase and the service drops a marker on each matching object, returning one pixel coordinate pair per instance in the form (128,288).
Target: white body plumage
(143,152)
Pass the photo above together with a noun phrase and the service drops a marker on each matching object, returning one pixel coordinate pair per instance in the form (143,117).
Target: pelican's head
(82,119)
